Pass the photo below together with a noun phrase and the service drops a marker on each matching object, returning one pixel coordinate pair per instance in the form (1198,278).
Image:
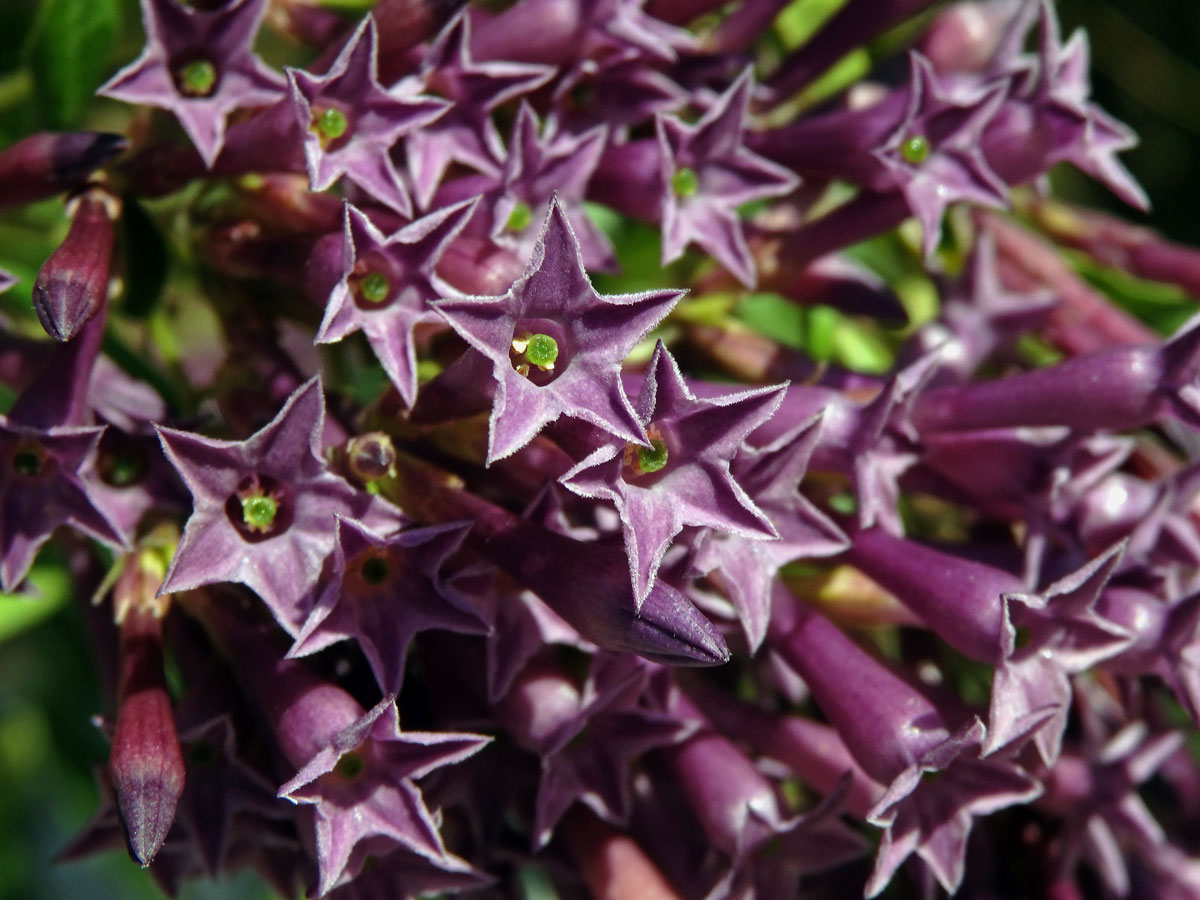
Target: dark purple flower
(350,122)
(587,736)
(1094,790)
(899,736)
(466,133)
(707,174)
(41,488)
(382,592)
(745,568)
(934,156)
(386,285)
(263,508)
(683,477)
(556,346)
(199,64)
(545,166)
(362,785)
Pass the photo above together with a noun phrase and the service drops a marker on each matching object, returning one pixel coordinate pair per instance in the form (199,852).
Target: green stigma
(652,458)
(685,182)
(374,570)
(258,512)
(27,463)
(541,351)
(375,287)
(350,766)
(122,471)
(520,217)
(915,150)
(330,124)
(198,78)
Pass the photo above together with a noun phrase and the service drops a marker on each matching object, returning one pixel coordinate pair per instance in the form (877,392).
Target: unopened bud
(46,164)
(73,283)
(146,763)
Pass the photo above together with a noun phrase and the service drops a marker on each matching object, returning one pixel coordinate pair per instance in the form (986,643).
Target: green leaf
(774,316)
(68,49)
(1164,307)
(19,613)
(802,18)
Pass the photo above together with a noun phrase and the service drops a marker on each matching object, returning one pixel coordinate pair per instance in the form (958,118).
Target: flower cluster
(435,566)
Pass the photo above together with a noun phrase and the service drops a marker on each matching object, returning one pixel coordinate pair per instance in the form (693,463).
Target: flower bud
(73,283)
(46,164)
(146,763)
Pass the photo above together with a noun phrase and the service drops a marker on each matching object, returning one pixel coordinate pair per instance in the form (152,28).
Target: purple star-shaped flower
(619,90)
(556,345)
(362,785)
(1095,792)
(543,166)
(382,593)
(932,817)
(40,489)
(683,478)
(200,65)
(587,737)
(350,122)
(745,568)
(386,286)
(263,508)
(466,133)
(1064,85)
(934,153)
(1031,689)
(707,173)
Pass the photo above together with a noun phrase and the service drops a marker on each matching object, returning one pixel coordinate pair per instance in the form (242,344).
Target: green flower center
(350,766)
(329,125)
(258,512)
(542,351)
(122,470)
(520,218)
(534,350)
(374,570)
(685,182)
(27,463)
(652,458)
(915,150)
(375,287)
(646,460)
(198,78)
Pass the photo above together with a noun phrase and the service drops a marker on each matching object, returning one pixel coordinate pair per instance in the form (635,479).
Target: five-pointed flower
(1064,87)
(683,477)
(382,592)
(350,122)
(543,166)
(40,489)
(556,345)
(707,174)
(263,508)
(199,64)
(746,568)
(362,786)
(386,286)
(466,133)
(934,153)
